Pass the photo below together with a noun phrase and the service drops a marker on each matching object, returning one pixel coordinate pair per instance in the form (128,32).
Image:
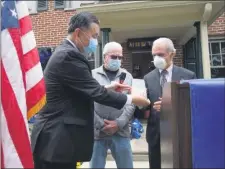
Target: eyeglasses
(159,54)
(88,36)
(116,57)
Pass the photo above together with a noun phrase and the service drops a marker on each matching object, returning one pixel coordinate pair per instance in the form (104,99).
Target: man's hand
(139,100)
(110,127)
(157,105)
(116,86)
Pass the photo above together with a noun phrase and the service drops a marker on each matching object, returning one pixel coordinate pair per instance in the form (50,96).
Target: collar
(75,46)
(71,43)
(100,70)
(169,69)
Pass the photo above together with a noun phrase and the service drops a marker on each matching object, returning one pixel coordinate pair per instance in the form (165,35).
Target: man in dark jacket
(63,131)
(163,52)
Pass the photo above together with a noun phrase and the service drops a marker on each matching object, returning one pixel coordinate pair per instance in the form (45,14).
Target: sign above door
(140,43)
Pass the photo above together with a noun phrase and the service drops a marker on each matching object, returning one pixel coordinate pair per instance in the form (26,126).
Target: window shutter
(42,5)
(59,4)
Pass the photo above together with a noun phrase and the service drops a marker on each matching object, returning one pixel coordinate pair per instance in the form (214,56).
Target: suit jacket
(154,90)
(64,131)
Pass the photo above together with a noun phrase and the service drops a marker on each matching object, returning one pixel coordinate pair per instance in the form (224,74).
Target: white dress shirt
(169,74)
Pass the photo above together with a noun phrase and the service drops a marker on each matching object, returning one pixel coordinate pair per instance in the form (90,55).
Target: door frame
(133,52)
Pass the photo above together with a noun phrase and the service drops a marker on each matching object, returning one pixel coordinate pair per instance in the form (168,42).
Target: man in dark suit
(63,132)
(163,52)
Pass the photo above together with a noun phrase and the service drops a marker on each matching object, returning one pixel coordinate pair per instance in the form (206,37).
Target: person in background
(112,125)
(63,132)
(163,52)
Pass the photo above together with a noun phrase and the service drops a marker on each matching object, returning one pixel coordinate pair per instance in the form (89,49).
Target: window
(217,57)
(32,6)
(91,59)
(59,4)
(76,4)
(69,4)
(42,5)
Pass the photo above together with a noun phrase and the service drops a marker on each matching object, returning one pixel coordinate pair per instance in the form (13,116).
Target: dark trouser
(154,155)
(40,164)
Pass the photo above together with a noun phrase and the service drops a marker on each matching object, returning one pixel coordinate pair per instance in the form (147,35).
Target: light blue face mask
(114,64)
(92,47)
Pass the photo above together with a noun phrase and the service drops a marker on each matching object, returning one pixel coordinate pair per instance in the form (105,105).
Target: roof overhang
(131,19)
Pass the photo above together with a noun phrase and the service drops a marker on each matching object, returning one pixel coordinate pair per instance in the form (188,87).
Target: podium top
(191,81)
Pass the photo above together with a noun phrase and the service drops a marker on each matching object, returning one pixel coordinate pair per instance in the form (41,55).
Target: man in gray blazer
(112,125)
(163,52)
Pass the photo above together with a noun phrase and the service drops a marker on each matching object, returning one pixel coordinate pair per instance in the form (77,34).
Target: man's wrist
(129,100)
(119,123)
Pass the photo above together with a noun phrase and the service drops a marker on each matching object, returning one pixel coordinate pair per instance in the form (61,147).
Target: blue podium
(192,122)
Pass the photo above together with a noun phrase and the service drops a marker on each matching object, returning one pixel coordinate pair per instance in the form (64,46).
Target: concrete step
(112,164)
(136,164)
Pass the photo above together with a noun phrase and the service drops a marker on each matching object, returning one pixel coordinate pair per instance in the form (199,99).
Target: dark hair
(82,20)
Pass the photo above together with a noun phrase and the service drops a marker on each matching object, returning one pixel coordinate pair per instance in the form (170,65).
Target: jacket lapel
(175,74)
(156,83)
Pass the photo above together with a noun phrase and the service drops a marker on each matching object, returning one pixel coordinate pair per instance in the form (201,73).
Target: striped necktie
(163,79)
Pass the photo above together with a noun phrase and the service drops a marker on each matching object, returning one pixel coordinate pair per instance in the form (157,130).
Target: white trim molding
(134,5)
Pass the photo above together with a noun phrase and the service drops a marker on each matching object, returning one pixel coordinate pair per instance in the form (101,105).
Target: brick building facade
(50,28)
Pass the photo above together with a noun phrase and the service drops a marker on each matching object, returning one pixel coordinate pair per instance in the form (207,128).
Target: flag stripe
(2,154)
(11,62)
(35,98)
(21,9)
(29,59)
(31,79)
(20,67)
(28,42)
(15,121)
(25,25)
(10,153)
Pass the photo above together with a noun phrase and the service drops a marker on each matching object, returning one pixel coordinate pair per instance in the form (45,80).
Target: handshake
(138,98)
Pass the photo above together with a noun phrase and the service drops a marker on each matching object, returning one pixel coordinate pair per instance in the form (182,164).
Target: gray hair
(166,41)
(110,46)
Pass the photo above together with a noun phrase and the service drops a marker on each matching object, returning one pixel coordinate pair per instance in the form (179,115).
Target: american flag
(22,84)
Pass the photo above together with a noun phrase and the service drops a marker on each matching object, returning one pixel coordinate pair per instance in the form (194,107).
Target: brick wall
(50,27)
(178,59)
(218,27)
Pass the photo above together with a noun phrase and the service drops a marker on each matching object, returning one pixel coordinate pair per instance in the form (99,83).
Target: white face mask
(160,62)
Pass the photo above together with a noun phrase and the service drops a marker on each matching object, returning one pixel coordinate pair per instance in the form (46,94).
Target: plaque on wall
(140,43)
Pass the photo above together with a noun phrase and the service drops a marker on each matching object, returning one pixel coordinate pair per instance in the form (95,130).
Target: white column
(205,50)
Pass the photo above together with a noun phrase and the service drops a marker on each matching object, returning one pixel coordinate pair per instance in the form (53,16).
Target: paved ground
(140,151)
(137,164)
(112,164)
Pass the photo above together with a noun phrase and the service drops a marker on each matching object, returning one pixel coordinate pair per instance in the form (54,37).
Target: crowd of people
(88,111)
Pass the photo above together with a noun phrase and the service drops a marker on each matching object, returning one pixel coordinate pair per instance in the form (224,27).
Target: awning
(133,19)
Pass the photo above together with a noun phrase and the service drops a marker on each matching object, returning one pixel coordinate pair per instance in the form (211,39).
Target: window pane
(211,61)
(222,47)
(223,59)
(216,60)
(218,72)
(209,49)
(215,48)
